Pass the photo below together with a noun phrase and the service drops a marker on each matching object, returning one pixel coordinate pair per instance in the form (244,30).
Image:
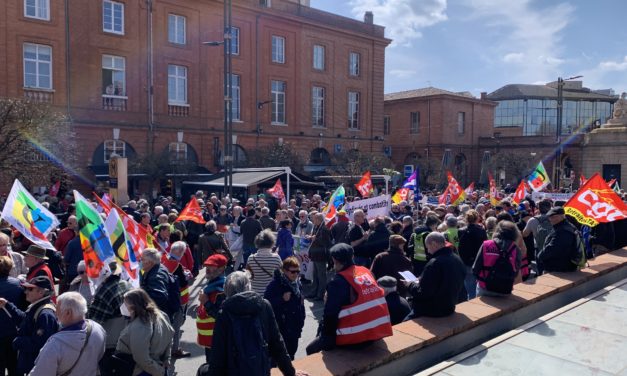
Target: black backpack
(251,352)
(501,275)
(55,263)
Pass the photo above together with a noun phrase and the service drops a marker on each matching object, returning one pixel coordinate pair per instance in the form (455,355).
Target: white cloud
(402,73)
(514,57)
(534,33)
(613,65)
(403,19)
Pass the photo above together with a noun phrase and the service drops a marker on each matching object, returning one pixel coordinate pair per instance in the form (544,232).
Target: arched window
(117,147)
(177,152)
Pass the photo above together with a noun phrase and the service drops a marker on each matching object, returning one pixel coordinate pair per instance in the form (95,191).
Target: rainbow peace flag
(97,249)
(538,179)
(335,202)
(28,216)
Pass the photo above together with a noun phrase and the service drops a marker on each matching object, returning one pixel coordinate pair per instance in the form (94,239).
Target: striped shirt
(263,264)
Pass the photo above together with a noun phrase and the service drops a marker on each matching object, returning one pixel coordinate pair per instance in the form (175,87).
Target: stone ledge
(473,322)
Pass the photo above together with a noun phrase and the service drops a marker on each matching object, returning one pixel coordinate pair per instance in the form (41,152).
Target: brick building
(437,130)
(136,79)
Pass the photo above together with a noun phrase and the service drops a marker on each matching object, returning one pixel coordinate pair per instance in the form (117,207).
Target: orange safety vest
(368,318)
(184,295)
(204,326)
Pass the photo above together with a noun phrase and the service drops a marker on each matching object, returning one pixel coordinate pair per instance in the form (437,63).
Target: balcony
(114,102)
(178,110)
(39,95)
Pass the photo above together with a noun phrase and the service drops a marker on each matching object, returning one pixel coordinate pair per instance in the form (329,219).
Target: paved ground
(188,366)
(588,339)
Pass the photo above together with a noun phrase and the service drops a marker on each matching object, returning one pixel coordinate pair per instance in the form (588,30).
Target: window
(353,110)
(318,57)
(461,122)
(278,102)
(39,9)
(113,75)
(176,29)
(265,3)
(317,106)
(386,124)
(234,40)
(414,122)
(278,49)
(235,97)
(178,152)
(177,84)
(113,17)
(353,64)
(116,147)
(37,66)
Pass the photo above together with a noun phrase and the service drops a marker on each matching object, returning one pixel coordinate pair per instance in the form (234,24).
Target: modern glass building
(534,108)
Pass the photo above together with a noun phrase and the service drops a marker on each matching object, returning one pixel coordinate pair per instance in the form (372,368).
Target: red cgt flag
(520,193)
(365,185)
(191,212)
(277,191)
(596,203)
(458,195)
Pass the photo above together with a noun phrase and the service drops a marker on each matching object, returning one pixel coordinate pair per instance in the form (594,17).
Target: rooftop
(524,91)
(426,92)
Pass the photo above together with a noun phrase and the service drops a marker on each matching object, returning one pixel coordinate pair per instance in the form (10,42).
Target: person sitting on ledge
(437,291)
(355,310)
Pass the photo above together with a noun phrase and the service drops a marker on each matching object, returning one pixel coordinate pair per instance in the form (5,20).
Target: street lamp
(558,137)
(228,101)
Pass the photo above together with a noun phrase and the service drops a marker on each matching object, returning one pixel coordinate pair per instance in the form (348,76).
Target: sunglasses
(81,272)
(294,271)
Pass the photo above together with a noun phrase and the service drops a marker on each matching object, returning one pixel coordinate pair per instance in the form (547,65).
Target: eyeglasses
(81,272)
(294,271)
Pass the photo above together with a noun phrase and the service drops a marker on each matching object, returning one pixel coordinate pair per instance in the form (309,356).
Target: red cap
(217,260)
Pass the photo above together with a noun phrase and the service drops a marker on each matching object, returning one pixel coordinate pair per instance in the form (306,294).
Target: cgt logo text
(364,279)
(599,209)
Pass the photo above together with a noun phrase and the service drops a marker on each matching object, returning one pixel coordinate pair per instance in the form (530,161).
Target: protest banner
(537,196)
(301,251)
(373,207)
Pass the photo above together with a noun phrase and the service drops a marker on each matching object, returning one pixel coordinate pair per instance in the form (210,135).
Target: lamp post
(558,137)
(228,101)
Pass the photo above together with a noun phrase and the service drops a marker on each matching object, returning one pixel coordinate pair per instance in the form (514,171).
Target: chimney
(369,18)
(484,96)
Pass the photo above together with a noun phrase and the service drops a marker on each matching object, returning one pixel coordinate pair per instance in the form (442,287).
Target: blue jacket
(155,283)
(31,335)
(290,315)
(285,243)
(10,290)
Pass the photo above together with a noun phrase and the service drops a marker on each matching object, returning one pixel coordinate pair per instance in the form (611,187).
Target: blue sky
(481,45)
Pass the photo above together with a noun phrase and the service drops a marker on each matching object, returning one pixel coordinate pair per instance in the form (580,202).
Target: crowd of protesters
(53,317)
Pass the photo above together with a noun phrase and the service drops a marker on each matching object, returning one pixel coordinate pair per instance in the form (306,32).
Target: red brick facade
(438,130)
(201,121)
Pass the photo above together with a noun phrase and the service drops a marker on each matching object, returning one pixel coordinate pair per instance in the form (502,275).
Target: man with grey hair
(442,279)
(319,254)
(266,221)
(77,348)
(246,321)
(155,279)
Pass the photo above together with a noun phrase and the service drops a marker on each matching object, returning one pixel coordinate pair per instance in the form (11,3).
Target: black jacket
(559,249)
(440,284)
(290,315)
(378,240)
(249,228)
(339,294)
(247,303)
(470,240)
(398,307)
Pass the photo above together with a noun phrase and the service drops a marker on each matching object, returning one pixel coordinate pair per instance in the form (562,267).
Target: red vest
(367,319)
(205,323)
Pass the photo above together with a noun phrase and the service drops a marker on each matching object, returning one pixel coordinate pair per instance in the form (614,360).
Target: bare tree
(276,155)
(36,143)
(516,165)
(355,163)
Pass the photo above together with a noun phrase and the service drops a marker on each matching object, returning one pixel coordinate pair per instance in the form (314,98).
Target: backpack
(55,263)
(544,229)
(501,275)
(251,353)
(579,257)
(174,294)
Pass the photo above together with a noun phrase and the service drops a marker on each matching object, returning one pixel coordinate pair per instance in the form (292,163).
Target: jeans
(248,250)
(470,283)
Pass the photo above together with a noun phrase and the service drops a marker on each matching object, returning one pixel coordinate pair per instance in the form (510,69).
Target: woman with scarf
(285,295)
